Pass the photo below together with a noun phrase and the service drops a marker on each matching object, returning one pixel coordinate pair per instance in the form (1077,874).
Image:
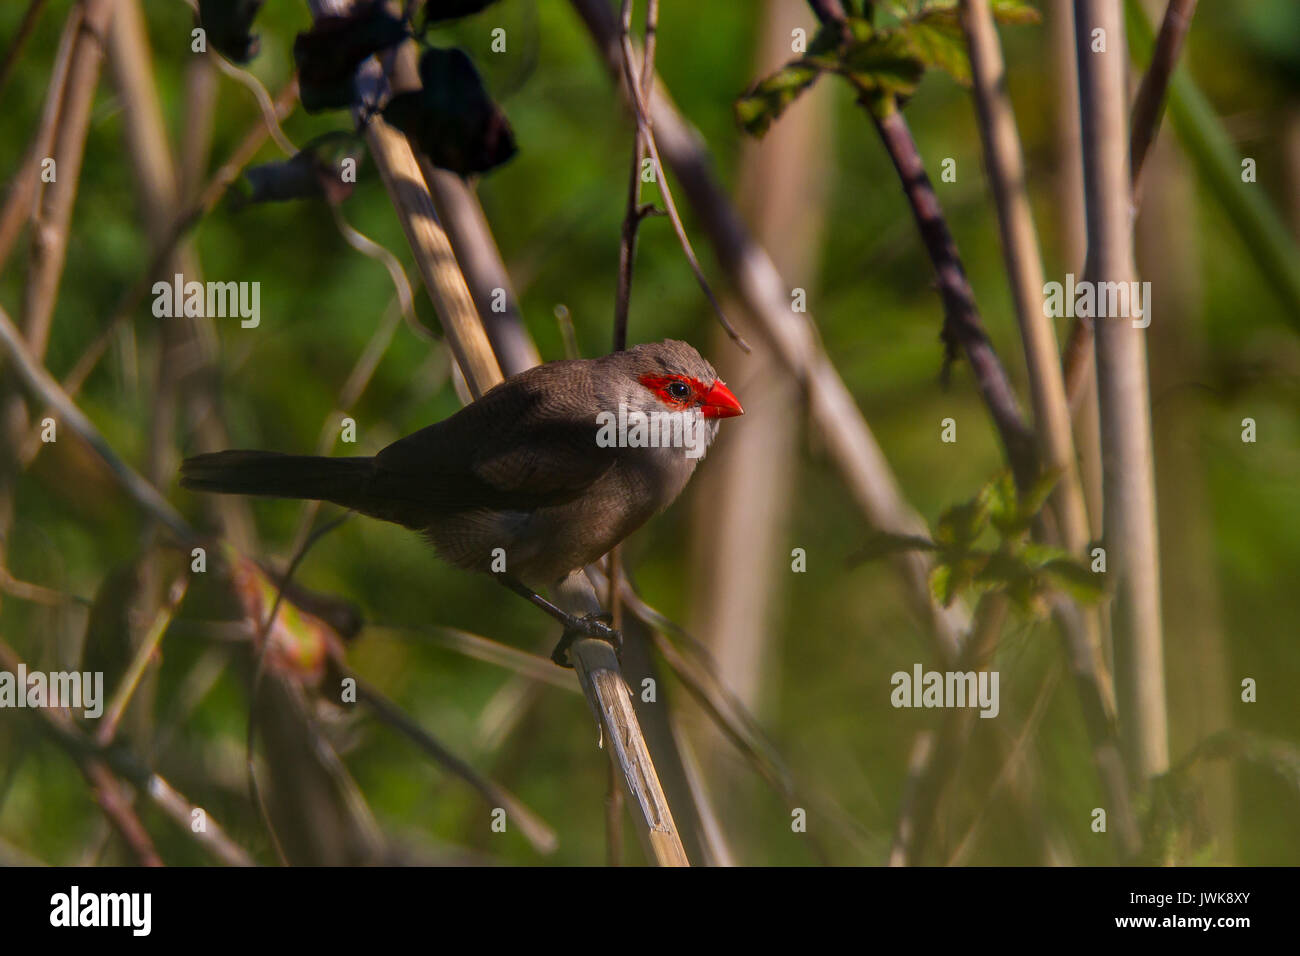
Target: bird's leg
(595,624)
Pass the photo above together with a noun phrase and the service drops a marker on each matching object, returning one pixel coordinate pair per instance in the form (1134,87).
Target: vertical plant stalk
(1006,171)
(480,262)
(1198,677)
(54,214)
(22,193)
(1072,243)
(1148,109)
(1024,264)
(632,216)
(1127,453)
(61,137)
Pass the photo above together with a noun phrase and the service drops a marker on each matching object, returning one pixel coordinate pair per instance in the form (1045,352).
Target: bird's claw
(597,626)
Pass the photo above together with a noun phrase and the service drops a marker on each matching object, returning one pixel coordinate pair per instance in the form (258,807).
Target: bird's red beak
(718,402)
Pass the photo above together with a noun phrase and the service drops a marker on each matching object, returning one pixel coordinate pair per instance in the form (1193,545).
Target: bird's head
(674,377)
(671,386)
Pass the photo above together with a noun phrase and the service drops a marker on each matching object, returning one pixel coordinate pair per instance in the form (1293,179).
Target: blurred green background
(1223,348)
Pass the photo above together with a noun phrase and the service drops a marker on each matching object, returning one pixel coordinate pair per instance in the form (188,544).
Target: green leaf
(768,99)
(884,63)
(962,524)
(941,584)
(950,578)
(938,41)
(1015,12)
(1004,567)
(1075,579)
(1011,12)
(1001,500)
(1035,497)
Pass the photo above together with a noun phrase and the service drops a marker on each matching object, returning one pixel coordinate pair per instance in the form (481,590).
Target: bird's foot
(596,626)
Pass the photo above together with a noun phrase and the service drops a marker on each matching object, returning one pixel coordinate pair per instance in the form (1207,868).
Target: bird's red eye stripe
(662,385)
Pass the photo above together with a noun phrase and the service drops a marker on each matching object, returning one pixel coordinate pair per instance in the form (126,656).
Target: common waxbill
(548,466)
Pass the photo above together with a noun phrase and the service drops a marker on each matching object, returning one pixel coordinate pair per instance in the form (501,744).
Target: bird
(537,478)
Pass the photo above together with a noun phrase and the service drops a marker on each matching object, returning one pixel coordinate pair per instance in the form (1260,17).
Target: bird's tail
(339,480)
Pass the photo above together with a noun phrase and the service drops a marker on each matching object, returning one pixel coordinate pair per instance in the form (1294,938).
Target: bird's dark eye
(678,389)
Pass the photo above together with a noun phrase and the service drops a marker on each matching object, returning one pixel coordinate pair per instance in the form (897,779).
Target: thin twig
(130,300)
(1149,104)
(934,765)
(962,324)
(633,213)
(641,114)
(47,389)
(533,827)
(143,655)
(104,769)
(20,203)
(1014,756)
(15,48)
(54,216)
(531,666)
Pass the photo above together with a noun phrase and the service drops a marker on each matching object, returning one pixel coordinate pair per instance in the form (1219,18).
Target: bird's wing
(523,445)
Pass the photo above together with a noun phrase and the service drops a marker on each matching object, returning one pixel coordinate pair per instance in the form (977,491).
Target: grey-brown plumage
(521,469)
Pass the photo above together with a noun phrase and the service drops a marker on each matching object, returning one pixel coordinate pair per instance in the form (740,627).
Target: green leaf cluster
(884,63)
(963,563)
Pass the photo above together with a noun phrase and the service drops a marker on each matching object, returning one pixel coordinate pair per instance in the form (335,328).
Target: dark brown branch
(1149,105)
(962,324)
(962,327)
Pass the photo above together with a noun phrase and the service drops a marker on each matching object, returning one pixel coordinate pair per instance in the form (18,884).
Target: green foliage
(885,64)
(1024,570)
(757,109)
